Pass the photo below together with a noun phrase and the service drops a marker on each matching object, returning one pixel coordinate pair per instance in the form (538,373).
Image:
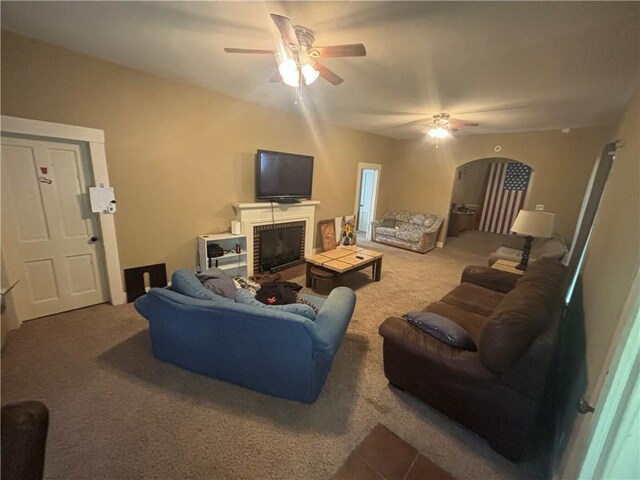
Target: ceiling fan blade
(458,123)
(329,75)
(351,50)
(247,50)
(276,77)
(286,29)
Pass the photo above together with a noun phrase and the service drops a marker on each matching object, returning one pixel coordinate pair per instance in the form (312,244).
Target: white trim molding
(95,141)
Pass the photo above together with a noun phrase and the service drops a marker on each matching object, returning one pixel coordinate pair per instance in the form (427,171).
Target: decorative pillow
(244,296)
(185,282)
(388,223)
(442,328)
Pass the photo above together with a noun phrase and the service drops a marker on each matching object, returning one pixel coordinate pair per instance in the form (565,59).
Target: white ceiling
(511,66)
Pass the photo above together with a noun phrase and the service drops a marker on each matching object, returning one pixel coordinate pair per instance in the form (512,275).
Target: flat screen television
(283,177)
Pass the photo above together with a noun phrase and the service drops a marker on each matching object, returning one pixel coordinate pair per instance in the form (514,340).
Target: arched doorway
(487,195)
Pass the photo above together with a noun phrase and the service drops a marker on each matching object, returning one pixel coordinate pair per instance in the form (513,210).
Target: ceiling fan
(442,125)
(297,57)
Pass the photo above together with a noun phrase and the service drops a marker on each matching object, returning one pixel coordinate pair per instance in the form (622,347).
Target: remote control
(360,257)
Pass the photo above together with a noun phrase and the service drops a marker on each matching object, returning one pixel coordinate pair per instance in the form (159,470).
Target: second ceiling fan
(297,57)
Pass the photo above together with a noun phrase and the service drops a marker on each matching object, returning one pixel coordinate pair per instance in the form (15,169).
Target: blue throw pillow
(442,328)
(244,296)
(185,282)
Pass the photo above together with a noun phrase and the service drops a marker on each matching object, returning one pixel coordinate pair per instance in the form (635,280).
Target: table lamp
(531,224)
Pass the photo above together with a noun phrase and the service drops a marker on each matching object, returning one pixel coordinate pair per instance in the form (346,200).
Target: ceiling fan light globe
(289,72)
(438,132)
(309,73)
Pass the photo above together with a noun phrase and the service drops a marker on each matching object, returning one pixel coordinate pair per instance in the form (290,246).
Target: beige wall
(177,155)
(423,175)
(612,261)
(613,257)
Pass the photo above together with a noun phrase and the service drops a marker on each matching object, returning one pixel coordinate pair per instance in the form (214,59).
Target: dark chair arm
(24,434)
(461,363)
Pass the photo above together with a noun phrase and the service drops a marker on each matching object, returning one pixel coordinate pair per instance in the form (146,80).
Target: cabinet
(461,221)
(235,264)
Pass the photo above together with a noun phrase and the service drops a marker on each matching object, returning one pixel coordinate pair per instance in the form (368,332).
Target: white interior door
(50,238)
(366,198)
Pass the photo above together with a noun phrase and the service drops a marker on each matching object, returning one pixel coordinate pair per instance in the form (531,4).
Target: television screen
(281,176)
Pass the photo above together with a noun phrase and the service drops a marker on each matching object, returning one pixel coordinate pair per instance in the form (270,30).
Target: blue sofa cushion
(185,282)
(442,328)
(244,296)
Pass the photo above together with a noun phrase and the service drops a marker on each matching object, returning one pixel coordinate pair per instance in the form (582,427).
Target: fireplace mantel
(266,213)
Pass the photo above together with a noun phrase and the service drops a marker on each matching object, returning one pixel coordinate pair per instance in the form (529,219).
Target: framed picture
(347,230)
(328,232)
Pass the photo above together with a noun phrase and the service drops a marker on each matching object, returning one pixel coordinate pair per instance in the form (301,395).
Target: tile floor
(383,455)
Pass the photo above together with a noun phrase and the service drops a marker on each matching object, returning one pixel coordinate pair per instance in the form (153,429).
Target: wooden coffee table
(343,260)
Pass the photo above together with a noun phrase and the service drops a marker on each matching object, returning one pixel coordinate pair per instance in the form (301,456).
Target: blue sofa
(259,347)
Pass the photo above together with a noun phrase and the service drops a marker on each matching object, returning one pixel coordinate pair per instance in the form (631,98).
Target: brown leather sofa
(498,391)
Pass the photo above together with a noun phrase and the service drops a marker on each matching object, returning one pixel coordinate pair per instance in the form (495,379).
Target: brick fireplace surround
(266,213)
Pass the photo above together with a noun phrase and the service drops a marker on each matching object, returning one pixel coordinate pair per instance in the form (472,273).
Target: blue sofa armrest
(332,322)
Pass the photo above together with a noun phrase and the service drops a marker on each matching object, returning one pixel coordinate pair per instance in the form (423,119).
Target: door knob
(93,239)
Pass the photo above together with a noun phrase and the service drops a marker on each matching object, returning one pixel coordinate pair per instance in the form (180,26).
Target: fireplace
(278,246)
(265,215)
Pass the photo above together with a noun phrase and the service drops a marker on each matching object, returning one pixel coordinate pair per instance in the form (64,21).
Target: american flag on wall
(504,198)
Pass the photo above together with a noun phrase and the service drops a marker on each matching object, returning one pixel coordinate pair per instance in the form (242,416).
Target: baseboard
(439,244)
(119,298)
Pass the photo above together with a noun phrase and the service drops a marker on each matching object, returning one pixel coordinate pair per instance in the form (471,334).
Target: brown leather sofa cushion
(474,298)
(490,278)
(471,322)
(521,316)
(443,361)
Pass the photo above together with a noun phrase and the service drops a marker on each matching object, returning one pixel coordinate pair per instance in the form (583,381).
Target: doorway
(487,195)
(366,196)
(50,238)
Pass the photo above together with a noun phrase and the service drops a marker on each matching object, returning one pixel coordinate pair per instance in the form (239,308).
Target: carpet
(116,412)
(383,455)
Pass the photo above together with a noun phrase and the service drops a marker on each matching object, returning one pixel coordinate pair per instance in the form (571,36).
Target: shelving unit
(235,264)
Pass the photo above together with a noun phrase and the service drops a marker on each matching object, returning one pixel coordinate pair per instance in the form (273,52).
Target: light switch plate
(540,207)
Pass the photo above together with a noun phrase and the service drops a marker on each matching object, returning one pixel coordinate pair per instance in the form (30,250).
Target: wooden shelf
(231,261)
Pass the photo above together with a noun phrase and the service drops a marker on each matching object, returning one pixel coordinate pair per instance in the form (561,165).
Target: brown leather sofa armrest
(24,437)
(461,363)
(490,278)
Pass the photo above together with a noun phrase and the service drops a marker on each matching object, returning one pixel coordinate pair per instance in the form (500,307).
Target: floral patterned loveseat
(413,231)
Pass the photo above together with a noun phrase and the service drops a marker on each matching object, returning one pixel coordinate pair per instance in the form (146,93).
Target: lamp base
(526,250)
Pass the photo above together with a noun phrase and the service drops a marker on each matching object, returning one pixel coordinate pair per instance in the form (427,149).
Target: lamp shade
(533,223)
(289,72)
(309,73)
